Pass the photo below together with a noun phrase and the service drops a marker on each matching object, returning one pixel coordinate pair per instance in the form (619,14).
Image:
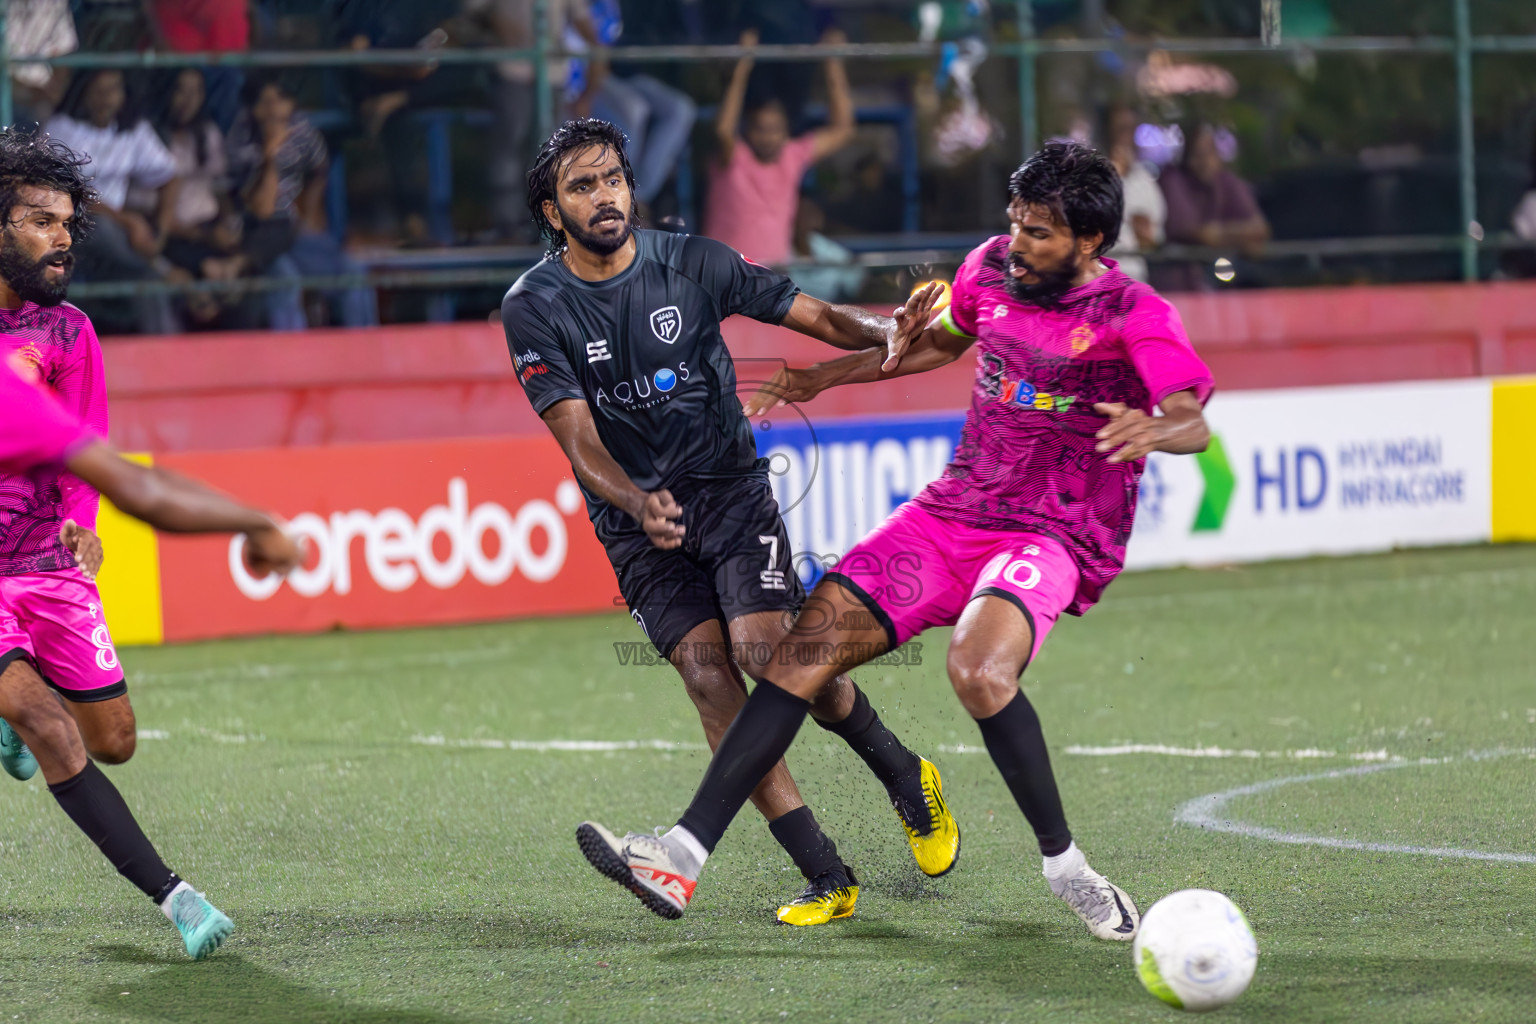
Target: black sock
(763,730)
(812,850)
(891,762)
(93,803)
(1017,745)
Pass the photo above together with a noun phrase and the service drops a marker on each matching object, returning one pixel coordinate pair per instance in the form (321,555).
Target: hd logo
(666,323)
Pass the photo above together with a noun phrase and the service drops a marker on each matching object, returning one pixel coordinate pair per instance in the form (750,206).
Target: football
(1195,950)
(945,292)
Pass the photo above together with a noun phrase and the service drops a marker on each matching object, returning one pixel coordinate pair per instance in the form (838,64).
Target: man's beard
(1046,292)
(602,245)
(30,279)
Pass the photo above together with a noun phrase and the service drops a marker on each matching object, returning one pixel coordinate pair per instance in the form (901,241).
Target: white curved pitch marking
(1205,812)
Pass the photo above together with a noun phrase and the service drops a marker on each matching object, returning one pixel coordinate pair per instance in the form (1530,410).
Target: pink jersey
(59,345)
(1026,458)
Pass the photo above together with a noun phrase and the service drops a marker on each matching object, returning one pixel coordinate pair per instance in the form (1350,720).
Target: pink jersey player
(1029,509)
(49,609)
(53,640)
(59,345)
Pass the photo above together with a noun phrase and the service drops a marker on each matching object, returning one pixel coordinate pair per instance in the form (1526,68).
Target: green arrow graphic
(1219,483)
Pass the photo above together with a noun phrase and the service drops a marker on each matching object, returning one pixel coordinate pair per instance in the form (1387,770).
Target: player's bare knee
(835,701)
(754,659)
(983,684)
(711,687)
(44,725)
(116,747)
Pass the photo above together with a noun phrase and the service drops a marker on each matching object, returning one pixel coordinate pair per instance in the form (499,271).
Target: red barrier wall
(262,390)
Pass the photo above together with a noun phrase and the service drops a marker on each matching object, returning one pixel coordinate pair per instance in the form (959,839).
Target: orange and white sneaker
(659,870)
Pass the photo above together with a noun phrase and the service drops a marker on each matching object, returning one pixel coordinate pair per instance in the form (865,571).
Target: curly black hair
(33,158)
(1078,185)
(543,175)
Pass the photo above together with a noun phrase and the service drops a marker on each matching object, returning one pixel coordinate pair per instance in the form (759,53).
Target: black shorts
(734,561)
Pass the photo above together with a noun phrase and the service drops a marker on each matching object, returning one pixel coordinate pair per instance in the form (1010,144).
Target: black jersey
(643,350)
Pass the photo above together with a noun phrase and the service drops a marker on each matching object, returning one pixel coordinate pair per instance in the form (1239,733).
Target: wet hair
(1078,185)
(32,158)
(545,172)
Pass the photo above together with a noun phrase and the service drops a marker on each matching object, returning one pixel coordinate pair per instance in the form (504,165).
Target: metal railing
(1026,49)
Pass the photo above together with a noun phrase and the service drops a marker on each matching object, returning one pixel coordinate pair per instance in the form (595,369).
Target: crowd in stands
(226,174)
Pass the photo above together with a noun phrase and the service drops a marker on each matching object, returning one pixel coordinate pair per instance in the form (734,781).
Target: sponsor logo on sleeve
(529,365)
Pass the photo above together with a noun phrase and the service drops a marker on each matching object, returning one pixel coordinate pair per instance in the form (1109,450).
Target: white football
(1194,950)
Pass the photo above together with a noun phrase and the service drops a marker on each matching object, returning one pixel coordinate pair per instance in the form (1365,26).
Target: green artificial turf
(325,792)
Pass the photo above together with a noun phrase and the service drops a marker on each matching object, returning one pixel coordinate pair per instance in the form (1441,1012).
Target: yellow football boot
(829,896)
(936,848)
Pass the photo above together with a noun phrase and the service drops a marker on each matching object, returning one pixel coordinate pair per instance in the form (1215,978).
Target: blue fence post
(911,186)
(439,177)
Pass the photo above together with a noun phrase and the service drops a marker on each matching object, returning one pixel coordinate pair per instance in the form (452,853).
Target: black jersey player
(616,340)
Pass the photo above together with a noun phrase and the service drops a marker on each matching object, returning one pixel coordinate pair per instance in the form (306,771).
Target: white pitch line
(546,746)
(1304,754)
(211,734)
(1206,812)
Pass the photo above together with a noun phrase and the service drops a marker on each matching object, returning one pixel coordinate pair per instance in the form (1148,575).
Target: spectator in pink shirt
(755,186)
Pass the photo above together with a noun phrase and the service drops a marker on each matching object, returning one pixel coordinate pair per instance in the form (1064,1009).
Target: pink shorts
(54,620)
(918,570)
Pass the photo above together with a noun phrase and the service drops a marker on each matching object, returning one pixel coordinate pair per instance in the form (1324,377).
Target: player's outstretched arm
(177,504)
(1131,434)
(856,328)
(656,511)
(934,348)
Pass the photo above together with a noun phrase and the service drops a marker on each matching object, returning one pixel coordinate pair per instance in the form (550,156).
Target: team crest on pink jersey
(30,355)
(25,362)
(1081,337)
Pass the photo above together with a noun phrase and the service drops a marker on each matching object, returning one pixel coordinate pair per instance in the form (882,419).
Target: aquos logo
(398,550)
(654,387)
